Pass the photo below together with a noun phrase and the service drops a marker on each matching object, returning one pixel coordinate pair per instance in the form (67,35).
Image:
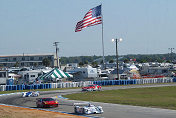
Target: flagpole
(102,41)
(96,20)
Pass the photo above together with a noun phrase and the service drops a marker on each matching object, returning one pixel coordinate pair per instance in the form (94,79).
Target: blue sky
(32,26)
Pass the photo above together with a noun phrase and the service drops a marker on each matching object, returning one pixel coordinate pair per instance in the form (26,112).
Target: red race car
(47,102)
(92,87)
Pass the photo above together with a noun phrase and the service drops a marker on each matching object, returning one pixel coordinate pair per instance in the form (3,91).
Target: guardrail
(81,84)
(135,81)
(45,86)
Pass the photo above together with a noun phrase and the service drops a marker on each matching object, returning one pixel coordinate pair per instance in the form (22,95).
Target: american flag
(92,17)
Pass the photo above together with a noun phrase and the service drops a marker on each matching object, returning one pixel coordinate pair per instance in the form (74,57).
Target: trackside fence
(85,83)
(45,86)
(135,81)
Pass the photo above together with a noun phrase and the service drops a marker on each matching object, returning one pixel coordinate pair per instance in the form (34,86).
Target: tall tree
(111,61)
(16,64)
(81,63)
(46,62)
(86,62)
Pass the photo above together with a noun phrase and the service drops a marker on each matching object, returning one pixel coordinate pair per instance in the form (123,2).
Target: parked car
(47,102)
(30,94)
(92,87)
(87,108)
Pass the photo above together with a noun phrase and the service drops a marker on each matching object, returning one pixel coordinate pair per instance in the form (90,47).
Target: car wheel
(42,106)
(75,111)
(83,111)
(38,106)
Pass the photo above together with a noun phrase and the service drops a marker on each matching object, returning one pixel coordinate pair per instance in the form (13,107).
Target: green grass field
(162,97)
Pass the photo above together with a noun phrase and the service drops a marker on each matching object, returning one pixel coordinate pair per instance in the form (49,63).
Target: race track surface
(110,110)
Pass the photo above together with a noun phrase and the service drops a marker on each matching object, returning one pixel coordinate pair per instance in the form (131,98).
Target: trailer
(3,77)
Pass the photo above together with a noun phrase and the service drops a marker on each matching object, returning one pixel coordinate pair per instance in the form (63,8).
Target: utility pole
(171,54)
(57,50)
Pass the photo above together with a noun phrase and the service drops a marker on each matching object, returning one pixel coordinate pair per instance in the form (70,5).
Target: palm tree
(16,64)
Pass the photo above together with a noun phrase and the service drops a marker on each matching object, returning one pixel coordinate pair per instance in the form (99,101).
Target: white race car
(87,108)
(30,94)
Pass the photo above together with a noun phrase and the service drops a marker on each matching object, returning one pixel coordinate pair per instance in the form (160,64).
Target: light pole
(117,63)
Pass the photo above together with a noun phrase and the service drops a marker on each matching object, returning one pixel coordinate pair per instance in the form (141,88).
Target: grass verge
(162,97)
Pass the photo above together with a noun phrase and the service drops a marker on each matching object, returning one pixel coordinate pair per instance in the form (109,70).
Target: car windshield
(48,99)
(90,85)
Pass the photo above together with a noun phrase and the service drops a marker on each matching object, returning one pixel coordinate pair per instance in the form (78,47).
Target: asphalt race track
(110,110)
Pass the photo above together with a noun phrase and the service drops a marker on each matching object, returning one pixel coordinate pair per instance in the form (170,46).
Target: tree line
(95,60)
(140,58)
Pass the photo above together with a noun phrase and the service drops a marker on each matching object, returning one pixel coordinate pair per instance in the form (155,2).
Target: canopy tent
(55,74)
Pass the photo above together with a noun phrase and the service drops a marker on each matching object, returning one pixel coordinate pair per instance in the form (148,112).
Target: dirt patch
(18,112)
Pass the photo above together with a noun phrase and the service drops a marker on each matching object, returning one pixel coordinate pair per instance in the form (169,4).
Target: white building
(162,69)
(29,76)
(3,77)
(84,73)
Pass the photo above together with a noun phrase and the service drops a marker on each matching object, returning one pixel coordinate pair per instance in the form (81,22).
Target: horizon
(80,55)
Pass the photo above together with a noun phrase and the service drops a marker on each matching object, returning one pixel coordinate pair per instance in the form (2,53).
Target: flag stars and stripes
(92,17)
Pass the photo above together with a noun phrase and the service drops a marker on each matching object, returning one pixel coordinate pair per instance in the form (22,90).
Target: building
(27,60)
(29,77)
(84,73)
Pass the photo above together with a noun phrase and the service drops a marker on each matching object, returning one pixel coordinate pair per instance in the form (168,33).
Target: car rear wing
(81,104)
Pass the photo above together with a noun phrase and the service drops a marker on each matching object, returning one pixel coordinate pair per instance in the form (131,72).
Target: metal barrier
(115,82)
(85,83)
